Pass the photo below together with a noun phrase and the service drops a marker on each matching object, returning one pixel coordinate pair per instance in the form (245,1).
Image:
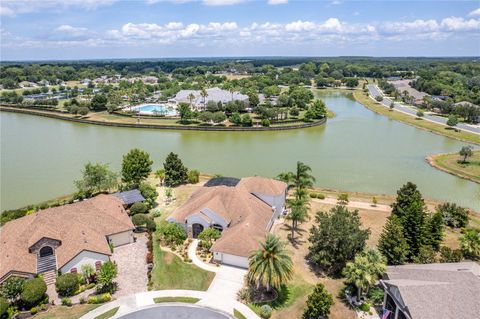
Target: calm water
(357,150)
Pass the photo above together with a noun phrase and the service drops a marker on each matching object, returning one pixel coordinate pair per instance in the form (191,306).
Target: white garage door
(121,238)
(233,260)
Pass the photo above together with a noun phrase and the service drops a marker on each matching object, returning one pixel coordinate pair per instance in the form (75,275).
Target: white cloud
(5,11)
(221,2)
(459,24)
(300,26)
(475,13)
(275,2)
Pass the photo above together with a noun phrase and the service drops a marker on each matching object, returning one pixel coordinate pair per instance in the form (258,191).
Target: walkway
(354,204)
(221,295)
(412,111)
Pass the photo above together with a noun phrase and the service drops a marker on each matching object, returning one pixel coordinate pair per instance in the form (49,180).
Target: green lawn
(176,299)
(237,314)
(170,272)
(453,163)
(362,98)
(289,293)
(62,312)
(108,314)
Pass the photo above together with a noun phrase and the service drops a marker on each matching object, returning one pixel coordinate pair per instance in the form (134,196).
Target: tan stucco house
(244,210)
(64,238)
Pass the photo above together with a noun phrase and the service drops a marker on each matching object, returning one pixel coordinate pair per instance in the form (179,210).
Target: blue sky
(86,29)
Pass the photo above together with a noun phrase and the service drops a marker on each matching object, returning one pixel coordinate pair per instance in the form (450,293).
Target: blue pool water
(156,109)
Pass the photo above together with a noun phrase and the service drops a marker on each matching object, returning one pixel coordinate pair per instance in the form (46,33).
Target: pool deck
(167,109)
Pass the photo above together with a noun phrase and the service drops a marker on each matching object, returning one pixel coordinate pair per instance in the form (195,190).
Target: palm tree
(298,213)
(204,95)
(160,174)
(270,266)
(191,97)
(364,271)
(301,179)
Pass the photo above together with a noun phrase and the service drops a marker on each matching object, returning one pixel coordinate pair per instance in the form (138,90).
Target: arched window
(46,251)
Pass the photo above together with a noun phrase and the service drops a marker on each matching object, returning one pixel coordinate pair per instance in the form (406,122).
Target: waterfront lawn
(176,299)
(362,98)
(170,272)
(63,312)
(452,163)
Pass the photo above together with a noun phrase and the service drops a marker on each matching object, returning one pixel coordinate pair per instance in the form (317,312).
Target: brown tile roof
(247,215)
(79,226)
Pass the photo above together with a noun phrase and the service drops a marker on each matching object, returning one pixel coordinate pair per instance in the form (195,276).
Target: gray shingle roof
(437,291)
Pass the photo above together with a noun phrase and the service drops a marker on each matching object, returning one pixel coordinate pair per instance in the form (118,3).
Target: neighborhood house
(244,210)
(64,238)
(432,291)
(199,102)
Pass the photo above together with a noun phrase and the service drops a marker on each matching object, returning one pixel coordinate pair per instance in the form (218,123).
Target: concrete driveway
(132,267)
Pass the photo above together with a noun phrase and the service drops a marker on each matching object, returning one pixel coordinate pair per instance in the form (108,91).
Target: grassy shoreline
(449,163)
(366,101)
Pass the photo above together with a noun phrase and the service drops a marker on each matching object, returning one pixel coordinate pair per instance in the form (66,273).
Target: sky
(98,29)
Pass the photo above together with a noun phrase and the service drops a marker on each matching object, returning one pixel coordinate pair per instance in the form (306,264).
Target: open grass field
(453,163)
(362,98)
(63,312)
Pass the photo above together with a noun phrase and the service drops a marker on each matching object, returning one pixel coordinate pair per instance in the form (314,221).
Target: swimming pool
(155,109)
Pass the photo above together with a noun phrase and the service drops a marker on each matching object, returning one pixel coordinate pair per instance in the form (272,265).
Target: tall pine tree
(392,243)
(175,171)
(409,207)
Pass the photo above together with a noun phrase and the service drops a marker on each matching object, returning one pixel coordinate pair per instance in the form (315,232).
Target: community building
(432,291)
(244,210)
(64,238)
(199,102)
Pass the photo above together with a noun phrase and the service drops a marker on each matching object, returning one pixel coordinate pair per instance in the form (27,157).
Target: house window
(218,227)
(98,265)
(73,270)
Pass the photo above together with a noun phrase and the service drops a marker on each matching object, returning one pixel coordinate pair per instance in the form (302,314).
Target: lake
(357,150)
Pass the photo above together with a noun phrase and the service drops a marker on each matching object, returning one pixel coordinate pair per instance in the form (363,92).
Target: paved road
(375,91)
(176,312)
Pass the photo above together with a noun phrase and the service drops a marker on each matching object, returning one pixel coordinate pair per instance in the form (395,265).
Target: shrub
(66,302)
(3,307)
(343,198)
(265,123)
(82,300)
(156,214)
(379,98)
(375,295)
(33,291)
(313,195)
(448,255)
(90,285)
(453,215)
(320,196)
(99,298)
(106,275)
(265,311)
(33,311)
(83,110)
(138,208)
(365,307)
(67,284)
(150,194)
(208,236)
(12,288)
(193,176)
(318,303)
(172,234)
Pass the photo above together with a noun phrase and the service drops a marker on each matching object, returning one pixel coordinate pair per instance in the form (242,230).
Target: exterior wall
(121,238)
(227,259)
(85,257)
(195,219)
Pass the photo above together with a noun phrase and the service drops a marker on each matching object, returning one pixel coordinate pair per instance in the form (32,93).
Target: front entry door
(196,230)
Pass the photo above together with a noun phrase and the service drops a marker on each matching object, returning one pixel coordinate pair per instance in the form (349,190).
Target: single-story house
(432,291)
(130,197)
(244,210)
(213,94)
(64,238)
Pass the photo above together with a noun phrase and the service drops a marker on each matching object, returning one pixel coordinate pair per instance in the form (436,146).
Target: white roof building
(213,94)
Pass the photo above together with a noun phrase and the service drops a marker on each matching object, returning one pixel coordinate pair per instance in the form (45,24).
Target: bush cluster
(34,291)
(106,297)
(67,284)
